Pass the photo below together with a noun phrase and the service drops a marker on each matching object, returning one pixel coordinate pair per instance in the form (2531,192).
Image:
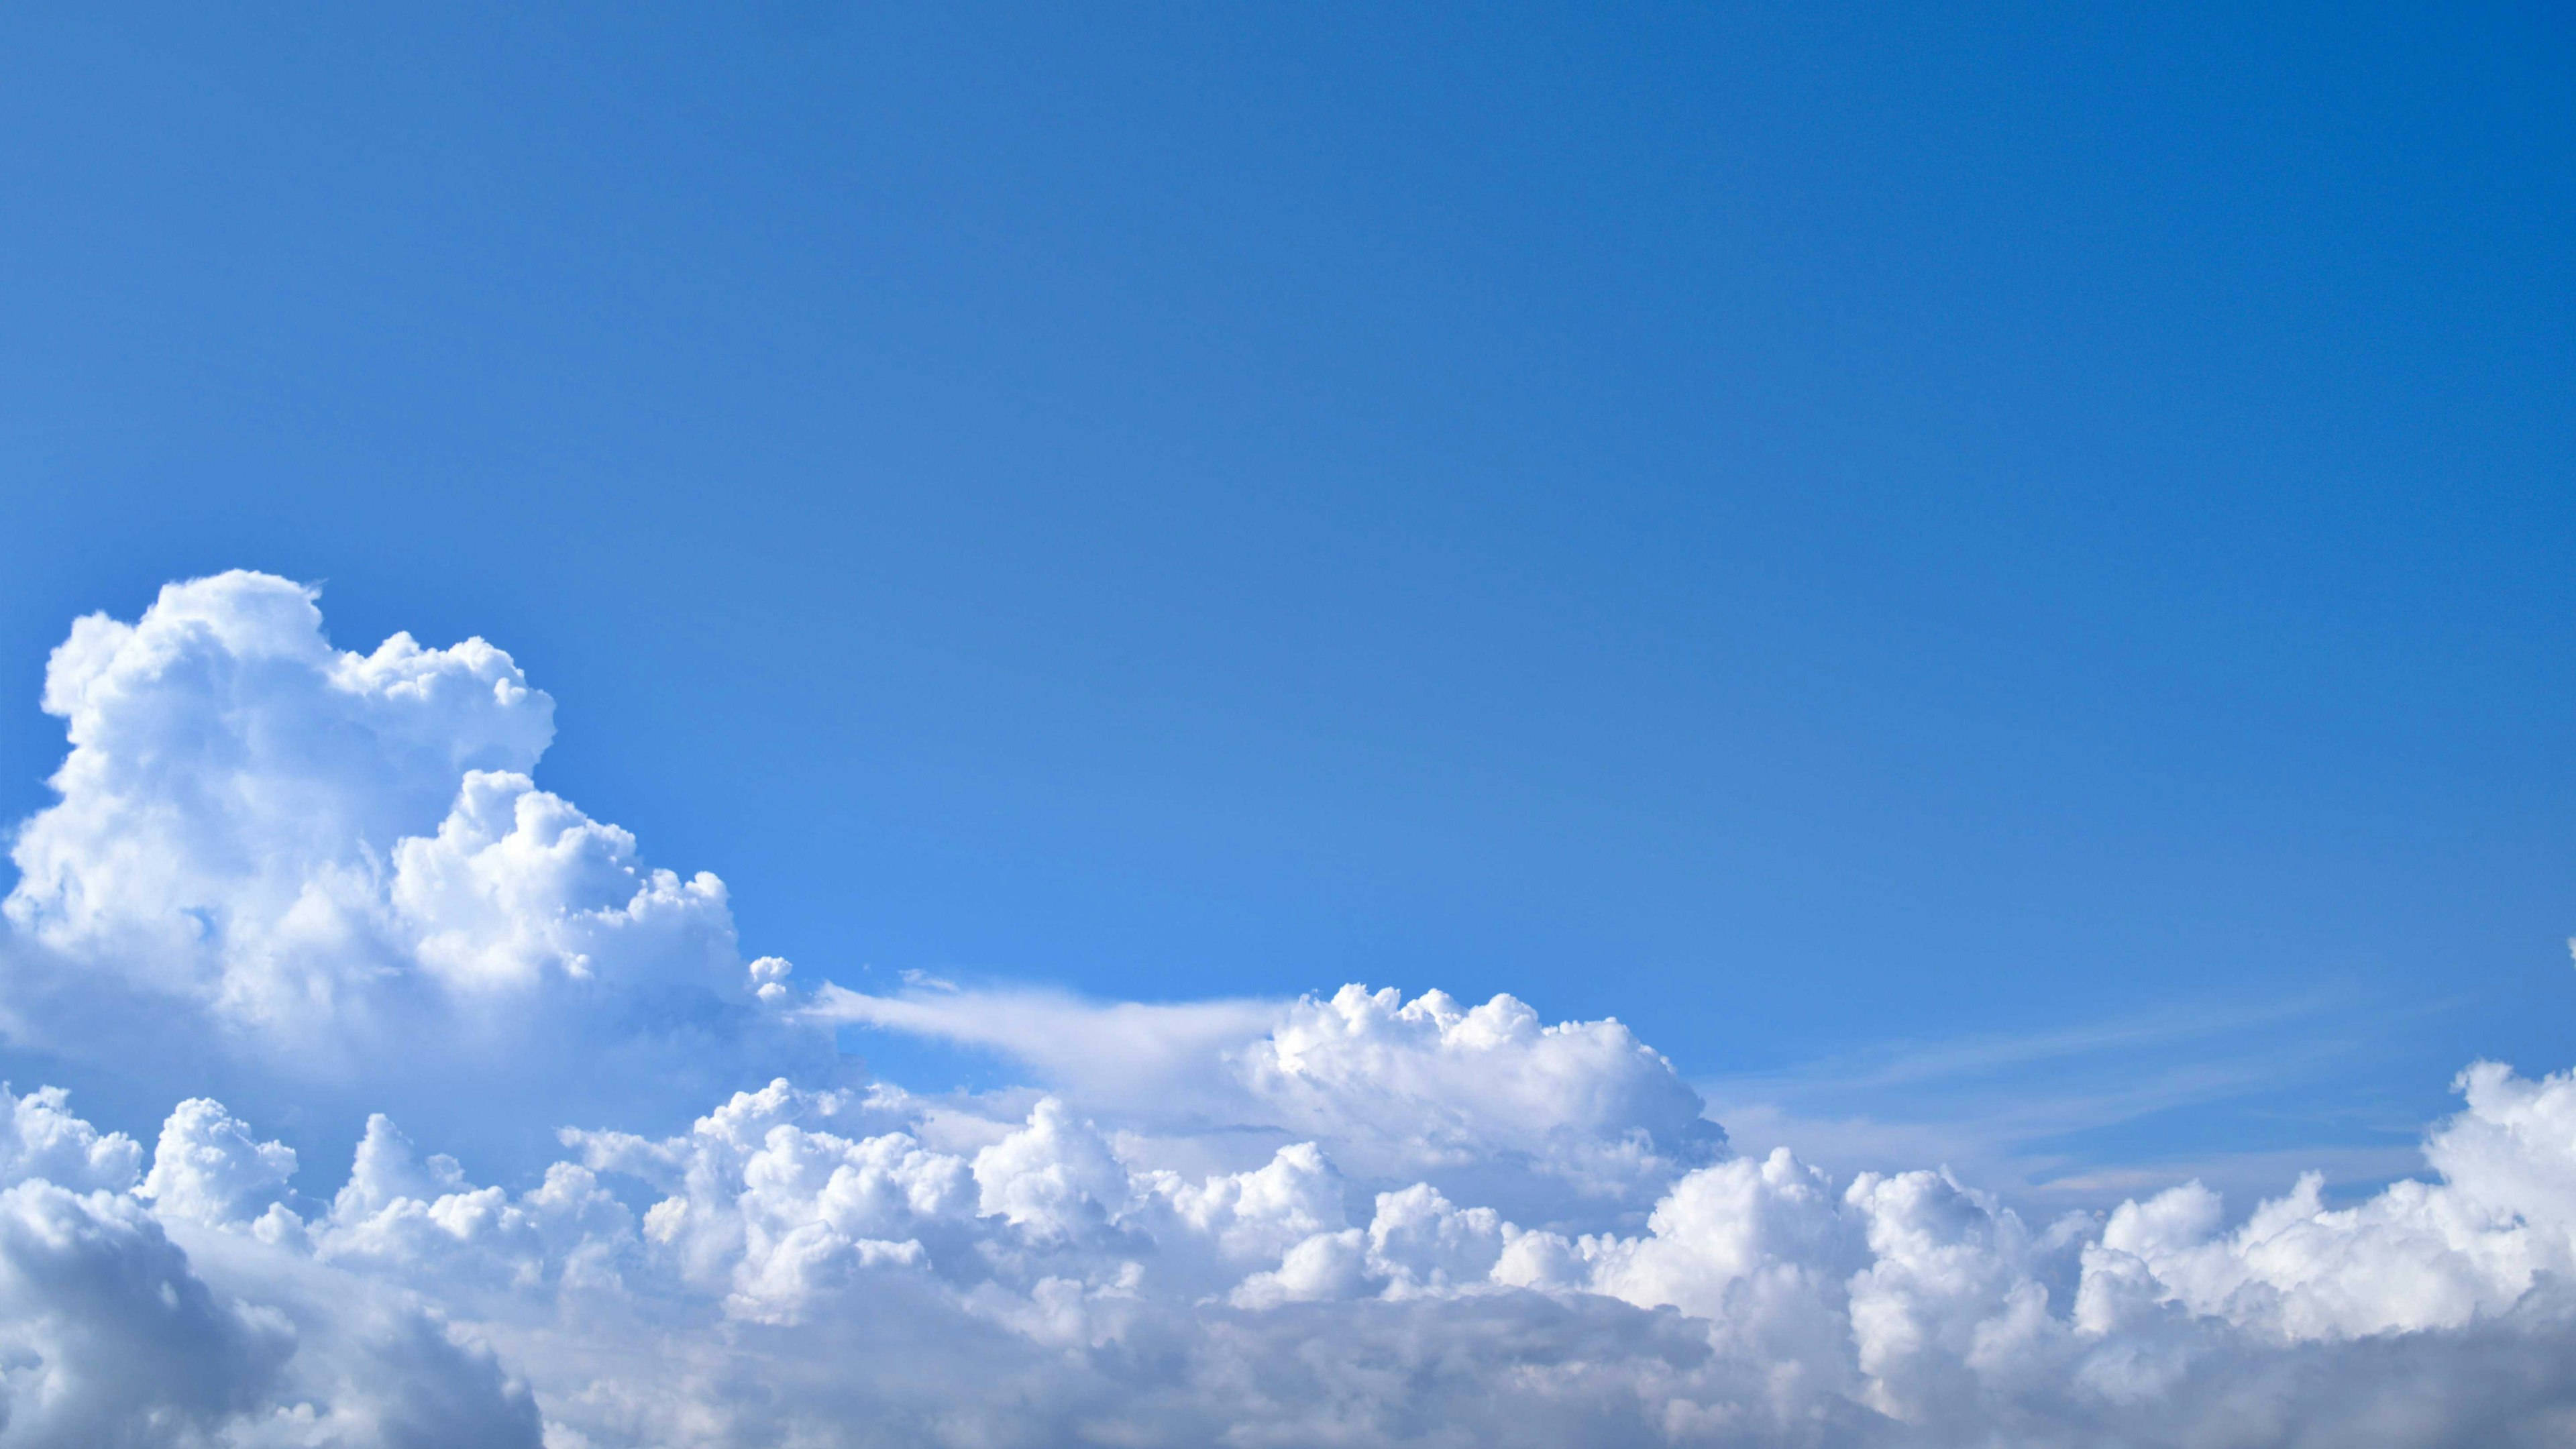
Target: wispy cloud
(2063,1115)
(1107,1050)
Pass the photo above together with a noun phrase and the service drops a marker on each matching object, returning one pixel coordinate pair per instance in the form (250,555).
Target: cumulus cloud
(336,866)
(154,1312)
(1559,1119)
(830,1266)
(1353,1218)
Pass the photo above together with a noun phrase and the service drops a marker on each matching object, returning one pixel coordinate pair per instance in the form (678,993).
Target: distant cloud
(1357,1218)
(2040,1116)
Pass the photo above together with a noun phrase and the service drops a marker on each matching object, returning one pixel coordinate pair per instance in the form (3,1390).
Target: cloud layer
(1356,1218)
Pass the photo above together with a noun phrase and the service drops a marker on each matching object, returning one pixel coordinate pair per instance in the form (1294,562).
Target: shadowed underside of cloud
(1348,1219)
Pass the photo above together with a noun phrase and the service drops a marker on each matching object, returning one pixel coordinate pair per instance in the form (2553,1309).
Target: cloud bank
(1356,1218)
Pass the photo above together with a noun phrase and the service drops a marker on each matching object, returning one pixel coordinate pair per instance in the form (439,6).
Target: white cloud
(1127,1053)
(1346,1219)
(118,1327)
(236,789)
(1552,1121)
(209,1169)
(43,1139)
(335,867)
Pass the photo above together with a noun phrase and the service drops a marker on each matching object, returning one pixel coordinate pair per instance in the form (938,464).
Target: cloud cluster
(336,865)
(1354,1219)
(835,1267)
(1488,1101)
(152,1311)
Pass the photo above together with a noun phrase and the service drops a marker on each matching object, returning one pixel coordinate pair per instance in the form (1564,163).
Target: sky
(1863,532)
(1985,586)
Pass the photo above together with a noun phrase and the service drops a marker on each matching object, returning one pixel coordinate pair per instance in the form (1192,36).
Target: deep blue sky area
(1809,531)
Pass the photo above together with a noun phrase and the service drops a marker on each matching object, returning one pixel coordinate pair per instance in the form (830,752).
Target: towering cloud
(1356,1218)
(335,865)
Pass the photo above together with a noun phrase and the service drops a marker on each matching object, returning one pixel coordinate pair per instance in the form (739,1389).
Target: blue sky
(1925,562)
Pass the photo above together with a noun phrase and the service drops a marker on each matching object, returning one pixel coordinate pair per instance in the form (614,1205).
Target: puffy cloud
(1355,1218)
(1551,1121)
(1761,1303)
(831,1266)
(115,1331)
(2421,1255)
(335,867)
(208,1168)
(1256,1215)
(42,1139)
(1431,1086)
(236,789)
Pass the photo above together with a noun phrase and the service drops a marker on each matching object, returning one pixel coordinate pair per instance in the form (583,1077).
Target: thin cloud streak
(2014,1111)
(1114,1051)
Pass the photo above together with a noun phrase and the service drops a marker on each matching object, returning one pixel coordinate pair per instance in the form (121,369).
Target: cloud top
(337,865)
